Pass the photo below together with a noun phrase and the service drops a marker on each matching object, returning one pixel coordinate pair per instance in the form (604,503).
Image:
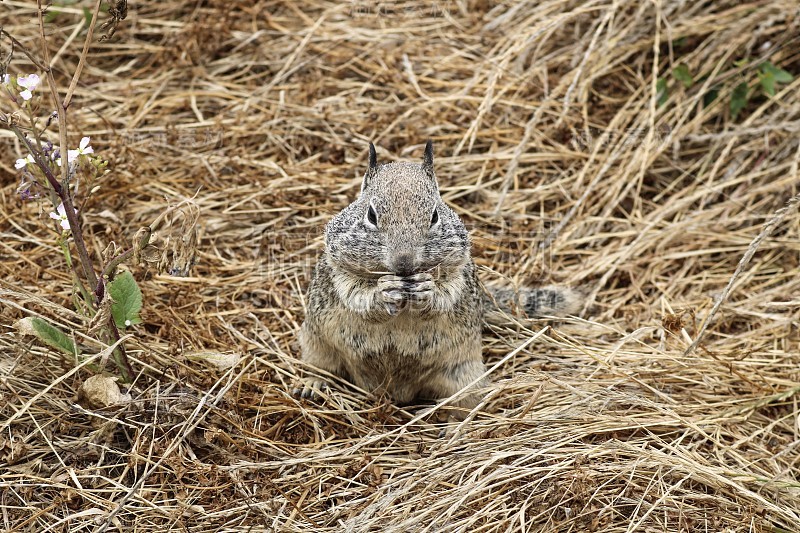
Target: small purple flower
(25,192)
(28,186)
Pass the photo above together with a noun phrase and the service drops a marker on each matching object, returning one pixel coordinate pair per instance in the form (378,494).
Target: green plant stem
(124,256)
(87,301)
(114,263)
(78,285)
(121,355)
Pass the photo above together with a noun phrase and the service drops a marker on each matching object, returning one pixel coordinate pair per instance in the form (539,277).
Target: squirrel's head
(399,223)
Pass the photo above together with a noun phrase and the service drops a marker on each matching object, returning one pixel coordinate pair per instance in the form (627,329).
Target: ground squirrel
(394,304)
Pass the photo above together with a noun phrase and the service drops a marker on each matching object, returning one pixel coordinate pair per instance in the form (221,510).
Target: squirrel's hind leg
(314,351)
(455,377)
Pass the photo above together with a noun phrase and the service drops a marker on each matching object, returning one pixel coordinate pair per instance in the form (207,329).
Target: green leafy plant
(662,93)
(768,76)
(739,98)
(682,74)
(108,297)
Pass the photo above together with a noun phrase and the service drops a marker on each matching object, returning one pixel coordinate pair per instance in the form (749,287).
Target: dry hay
(552,147)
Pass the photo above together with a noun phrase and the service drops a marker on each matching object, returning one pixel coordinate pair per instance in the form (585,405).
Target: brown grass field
(669,404)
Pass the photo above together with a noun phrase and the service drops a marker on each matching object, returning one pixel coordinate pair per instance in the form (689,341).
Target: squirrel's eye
(435,217)
(372,216)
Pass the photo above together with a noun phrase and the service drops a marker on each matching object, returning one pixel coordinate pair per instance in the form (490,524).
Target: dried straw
(552,146)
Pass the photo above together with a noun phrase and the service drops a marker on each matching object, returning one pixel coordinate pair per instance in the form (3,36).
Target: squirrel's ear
(373,166)
(373,158)
(427,159)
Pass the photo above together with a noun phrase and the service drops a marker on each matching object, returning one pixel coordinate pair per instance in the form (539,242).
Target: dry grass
(601,423)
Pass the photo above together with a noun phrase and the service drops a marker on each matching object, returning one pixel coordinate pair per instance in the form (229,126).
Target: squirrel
(394,304)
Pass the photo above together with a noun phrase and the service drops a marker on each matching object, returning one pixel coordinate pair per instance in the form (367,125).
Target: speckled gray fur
(394,303)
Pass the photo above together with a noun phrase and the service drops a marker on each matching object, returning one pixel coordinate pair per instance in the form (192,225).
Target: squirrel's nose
(403,265)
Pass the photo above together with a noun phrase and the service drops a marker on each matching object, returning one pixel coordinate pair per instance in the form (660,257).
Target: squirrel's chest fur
(399,356)
(396,353)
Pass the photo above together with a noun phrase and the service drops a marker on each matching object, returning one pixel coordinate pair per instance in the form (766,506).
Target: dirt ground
(605,145)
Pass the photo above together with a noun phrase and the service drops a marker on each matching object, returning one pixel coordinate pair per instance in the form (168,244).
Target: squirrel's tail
(553,300)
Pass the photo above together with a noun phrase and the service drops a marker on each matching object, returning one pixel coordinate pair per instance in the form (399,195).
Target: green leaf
(710,96)
(767,81)
(769,75)
(47,333)
(682,74)
(51,15)
(779,74)
(739,99)
(127,300)
(87,15)
(782,76)
(662,95)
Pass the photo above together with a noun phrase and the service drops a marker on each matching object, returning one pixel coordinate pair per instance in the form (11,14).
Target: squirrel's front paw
(419,289)
(391,293)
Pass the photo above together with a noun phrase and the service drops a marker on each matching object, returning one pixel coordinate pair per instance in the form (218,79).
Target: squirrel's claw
(396,292)
(420,290)
(390,290)
(310,389)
